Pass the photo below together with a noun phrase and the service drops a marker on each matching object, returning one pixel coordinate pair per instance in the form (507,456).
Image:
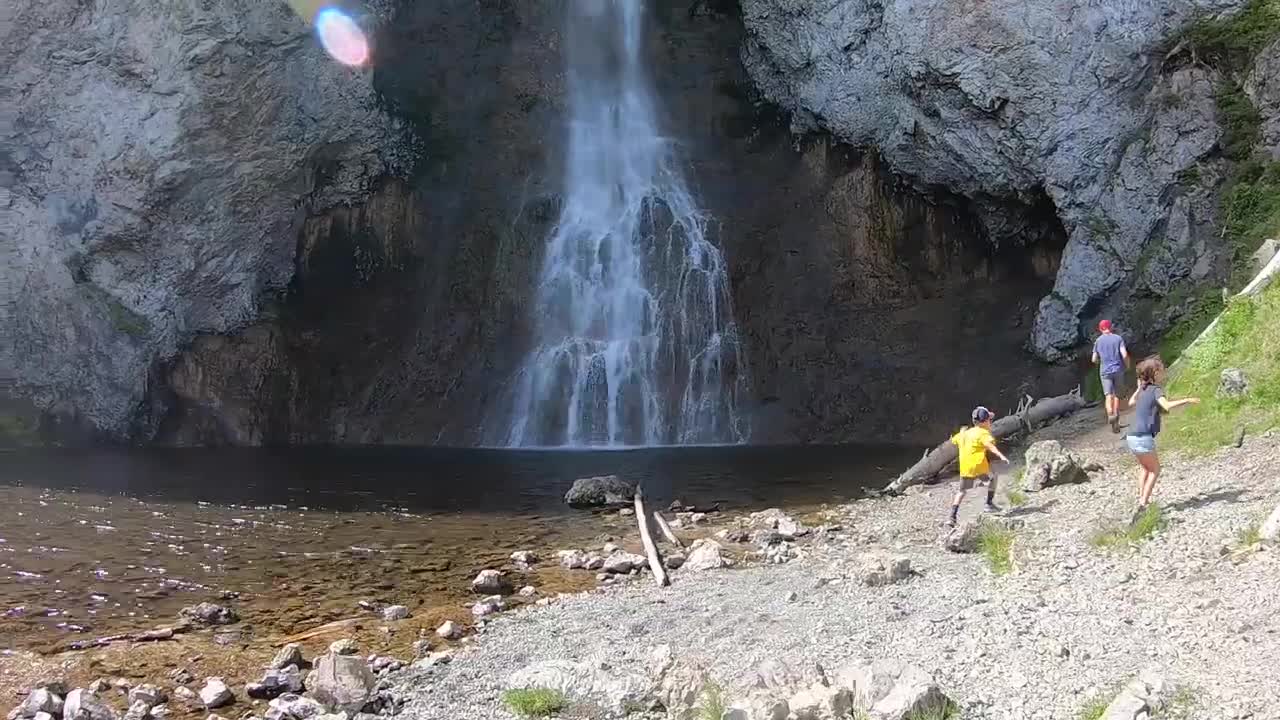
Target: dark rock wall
(871,313)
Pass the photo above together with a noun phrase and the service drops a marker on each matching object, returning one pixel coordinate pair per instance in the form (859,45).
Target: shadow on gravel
(1199,501)
(1032,509)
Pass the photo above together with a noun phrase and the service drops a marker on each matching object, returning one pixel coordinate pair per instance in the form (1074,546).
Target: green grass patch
(945,710)
(1251,214)
(534,702)
(995,544)
(712,703)
(1095,709)
(1249,535)
(1147,524)
(1247,336)
(1231,42)
(1204,309)
(1241,121)
(1017,497)
(1183,706)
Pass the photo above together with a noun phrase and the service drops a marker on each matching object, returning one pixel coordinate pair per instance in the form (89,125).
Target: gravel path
(1068,624)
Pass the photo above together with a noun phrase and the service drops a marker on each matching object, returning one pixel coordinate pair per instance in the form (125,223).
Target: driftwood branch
(942,457)
(667,532)
(650,547)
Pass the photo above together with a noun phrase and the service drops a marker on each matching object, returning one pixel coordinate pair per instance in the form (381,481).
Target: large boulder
(963,538)
(589,683)
(215,693)
(1233,383)
(342,682)
(678,683)
(876,569)
(821,701)
(290,654)
(38,701)
(490,582)
(294,707)
(706,554)
(891,690)
(1270,531)
(600,491)
(1048,464)
(621,563)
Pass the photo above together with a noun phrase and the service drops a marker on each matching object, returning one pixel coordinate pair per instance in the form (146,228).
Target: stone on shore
(524,558)
(187,696)
(392,613)
(1233,383)
(490,582)
(774,519)
(449,630)
(39,701)
(84,705)
(572,559)
(290,654)
(527,591)
(1140,699)
(215,693)
(207,613)
(821,702)
(892,690)
(294,707)
(600,491)
(705,554)
(963,538)
(878,569)
(488,606)
(148,694)
(599,684)
(341,682)
(1270,530)
(276,682)
(345,646)
(1048,463)
(621,563)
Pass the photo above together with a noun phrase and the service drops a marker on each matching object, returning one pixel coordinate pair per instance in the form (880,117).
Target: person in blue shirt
(1111,357)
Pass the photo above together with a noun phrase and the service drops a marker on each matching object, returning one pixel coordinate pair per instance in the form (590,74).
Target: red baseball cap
(1104,325)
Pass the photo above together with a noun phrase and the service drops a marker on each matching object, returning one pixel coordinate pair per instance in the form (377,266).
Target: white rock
(449,630)
(341,682)
(137,711)
(215,693)
(392,613)
(622,562)
(148,694)
(821,702)
(187,697)
(290,654)
(294,707)
(572,559)
(84,705)
(39,701)
(879,569)
(488,606)
(613,690)
(524,558)
(705,554)
(1270,531)
(490,582)
(345,646)
(528,591)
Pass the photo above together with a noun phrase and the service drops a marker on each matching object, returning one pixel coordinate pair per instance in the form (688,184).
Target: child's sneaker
(992,507)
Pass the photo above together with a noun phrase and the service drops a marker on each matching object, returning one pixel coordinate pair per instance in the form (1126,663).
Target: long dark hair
(1150,369)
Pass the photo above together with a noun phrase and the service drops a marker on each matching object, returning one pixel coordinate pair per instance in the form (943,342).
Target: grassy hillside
(1247,337)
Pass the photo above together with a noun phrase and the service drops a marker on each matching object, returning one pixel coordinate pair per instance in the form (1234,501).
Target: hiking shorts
(1110,382)
(1140,444)
(967,483)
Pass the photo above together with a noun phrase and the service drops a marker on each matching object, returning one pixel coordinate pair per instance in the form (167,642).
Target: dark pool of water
(471,480)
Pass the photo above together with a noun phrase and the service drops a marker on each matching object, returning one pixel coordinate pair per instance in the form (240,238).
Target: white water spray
(635,342)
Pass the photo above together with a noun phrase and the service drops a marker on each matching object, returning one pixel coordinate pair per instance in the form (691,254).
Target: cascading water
(635,342)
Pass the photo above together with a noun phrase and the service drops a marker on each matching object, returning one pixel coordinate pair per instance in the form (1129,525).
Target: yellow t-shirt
(973,451)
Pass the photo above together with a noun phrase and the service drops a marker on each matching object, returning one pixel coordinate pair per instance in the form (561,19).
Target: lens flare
(341,37)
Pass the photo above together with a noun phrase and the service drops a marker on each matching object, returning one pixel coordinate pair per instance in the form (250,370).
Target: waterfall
(634,337)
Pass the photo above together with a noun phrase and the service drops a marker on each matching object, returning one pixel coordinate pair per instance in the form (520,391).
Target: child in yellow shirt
(974,443)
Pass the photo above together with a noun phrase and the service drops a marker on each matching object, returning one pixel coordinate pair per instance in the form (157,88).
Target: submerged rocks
(787,527)
(392,613)
(290,654)
(490,582)
(342,682)
(572,559)
(488,606)
(207,613)
(1048,463)
(601,491)
(449,630)
(706,554)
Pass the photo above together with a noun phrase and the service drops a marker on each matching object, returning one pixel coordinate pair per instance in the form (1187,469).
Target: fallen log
(666,530)
(1028,416)
(650,547)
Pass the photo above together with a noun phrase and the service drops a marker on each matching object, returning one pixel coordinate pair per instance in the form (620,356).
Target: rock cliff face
(1007,101)
(156,162)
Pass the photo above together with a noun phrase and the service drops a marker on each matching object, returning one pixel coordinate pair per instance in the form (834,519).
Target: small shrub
(1017,498)
(995,543)
(1095,709)
(1249,535)
(712,704)
(946,710)
(1182,706)
(1231,42)
(534,702)
(1146,524)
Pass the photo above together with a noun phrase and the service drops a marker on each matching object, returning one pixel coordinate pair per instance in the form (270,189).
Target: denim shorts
(1140,444)
(1111,382)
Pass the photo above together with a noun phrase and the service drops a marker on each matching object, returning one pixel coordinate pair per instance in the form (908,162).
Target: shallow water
(101,542)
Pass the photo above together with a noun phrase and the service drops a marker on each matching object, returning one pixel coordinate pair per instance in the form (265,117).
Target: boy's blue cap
(981,414)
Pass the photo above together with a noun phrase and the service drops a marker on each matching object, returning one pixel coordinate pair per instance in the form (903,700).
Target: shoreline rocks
(490,582)
(600,492)
(207,613)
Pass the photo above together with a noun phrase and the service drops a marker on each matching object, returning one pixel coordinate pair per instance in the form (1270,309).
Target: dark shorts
(1111,382)
(968,483)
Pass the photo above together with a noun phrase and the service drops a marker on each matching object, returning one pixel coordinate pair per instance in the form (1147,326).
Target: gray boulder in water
(600,491)
(342,682)
(207,613)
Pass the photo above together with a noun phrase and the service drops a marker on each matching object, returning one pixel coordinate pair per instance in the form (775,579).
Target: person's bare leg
(1153,473)
(1142,476)
(955,506)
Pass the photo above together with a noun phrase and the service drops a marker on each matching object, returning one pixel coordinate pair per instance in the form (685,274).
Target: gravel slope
(1068,624)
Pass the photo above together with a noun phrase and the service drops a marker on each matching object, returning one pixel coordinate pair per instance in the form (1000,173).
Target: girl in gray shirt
(1148,403)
